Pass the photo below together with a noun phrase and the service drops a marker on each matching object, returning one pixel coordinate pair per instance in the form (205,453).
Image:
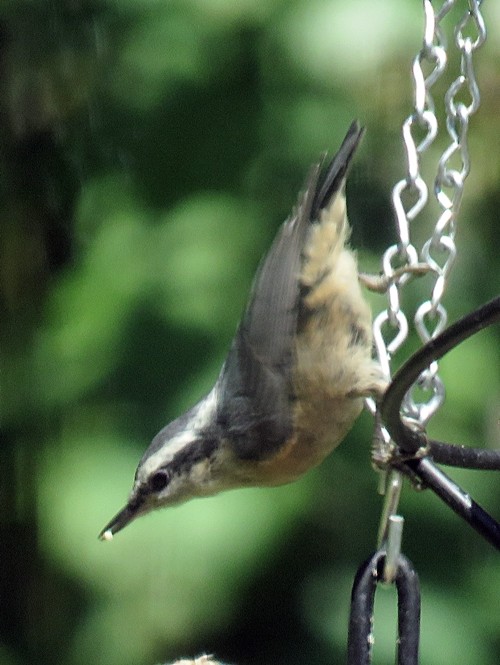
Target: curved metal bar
(411,441)
(360,639)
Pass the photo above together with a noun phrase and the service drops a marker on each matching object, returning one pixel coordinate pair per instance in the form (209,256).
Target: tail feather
(337,169)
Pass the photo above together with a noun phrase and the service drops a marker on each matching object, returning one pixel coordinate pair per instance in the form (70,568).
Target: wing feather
(256,409)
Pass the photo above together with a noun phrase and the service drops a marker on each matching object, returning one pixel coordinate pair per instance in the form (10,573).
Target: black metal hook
(360,639)
(411,442)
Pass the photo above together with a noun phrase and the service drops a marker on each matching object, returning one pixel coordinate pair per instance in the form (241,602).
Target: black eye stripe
(159,480)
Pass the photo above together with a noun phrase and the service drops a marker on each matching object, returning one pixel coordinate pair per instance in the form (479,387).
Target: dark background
(148,152)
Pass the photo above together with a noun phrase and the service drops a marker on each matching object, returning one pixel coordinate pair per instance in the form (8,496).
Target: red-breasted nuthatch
(297,371)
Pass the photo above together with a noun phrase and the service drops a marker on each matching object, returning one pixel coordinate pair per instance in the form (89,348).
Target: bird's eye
(159,480)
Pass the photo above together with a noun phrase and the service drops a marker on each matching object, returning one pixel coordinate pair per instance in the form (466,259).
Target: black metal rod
(459,501)
(410,441)
(455,454)
(360,639)
(408,588)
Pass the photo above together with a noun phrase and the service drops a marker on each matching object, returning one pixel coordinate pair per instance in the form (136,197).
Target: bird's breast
(318,430)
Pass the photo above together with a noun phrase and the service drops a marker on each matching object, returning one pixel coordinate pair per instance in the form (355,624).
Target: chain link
(410,195)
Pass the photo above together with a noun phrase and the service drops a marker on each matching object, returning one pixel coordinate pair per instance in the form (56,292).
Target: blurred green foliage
(149,150)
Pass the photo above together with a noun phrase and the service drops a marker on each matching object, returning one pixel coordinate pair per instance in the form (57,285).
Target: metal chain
(437,254)
(410,195)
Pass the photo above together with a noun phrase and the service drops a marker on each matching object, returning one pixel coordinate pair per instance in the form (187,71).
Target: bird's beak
(121,519)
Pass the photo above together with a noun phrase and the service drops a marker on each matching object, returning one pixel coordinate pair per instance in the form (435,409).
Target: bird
(297,371)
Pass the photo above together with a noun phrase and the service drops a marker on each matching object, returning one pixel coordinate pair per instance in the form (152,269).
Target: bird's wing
(255,382)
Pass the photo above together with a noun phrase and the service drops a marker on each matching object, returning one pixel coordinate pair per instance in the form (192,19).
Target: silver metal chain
(411,194)
(437,254)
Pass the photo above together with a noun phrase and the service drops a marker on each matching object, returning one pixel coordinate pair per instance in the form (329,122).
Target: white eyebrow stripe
(167,452)
(202,418)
